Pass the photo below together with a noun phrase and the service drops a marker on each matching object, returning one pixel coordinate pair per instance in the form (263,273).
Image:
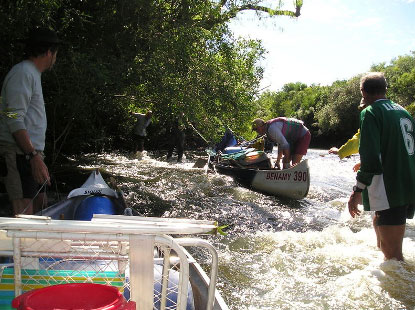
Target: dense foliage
(331,111)
(133,55)
(171,57)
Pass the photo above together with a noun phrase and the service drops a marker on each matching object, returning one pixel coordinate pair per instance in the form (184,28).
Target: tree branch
(268,10)
(234,10)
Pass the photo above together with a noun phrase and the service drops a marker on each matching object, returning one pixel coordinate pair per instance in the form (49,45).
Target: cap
(256,123)
(42,35)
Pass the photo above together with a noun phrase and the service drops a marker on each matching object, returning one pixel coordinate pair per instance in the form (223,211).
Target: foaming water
(277,254)
(329,269)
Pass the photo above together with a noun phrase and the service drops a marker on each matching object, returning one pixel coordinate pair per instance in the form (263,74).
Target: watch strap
(357,189)
(32,154)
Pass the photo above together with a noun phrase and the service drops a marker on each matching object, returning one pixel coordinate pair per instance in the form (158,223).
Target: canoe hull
(291,183)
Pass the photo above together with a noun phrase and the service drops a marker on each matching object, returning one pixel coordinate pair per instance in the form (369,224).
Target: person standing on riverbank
(292,137)
(22,136)
(386,179)
(140,132)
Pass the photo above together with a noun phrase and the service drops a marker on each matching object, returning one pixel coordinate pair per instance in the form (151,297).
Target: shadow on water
(397,279)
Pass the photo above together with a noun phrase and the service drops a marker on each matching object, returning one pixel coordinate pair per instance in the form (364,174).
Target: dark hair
(35,50)
(374,83)
(40,41)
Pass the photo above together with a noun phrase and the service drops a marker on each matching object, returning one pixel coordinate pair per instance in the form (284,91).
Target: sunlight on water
(278,254)
(331,269)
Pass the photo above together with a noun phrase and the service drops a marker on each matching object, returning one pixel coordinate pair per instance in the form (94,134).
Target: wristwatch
(30,155)
(357,189)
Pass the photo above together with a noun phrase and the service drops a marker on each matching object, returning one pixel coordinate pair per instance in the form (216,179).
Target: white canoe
(291,183)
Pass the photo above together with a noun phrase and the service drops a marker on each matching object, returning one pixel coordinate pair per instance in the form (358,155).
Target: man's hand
(334,150)
(277,163)
(39,170)
(354,200)
(286,165)
(356,167)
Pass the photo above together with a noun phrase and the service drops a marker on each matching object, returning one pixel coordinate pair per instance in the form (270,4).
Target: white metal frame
(140,233)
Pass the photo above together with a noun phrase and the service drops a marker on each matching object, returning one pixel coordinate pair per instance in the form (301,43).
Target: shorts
(17,175)
(302,144)
(394,216)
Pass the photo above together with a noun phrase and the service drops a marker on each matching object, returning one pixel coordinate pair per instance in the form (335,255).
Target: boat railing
(146,264)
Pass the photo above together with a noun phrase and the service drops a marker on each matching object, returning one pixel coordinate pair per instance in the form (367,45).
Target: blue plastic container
(94,205)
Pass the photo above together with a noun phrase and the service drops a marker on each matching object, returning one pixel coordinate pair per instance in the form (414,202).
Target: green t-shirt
(387,146)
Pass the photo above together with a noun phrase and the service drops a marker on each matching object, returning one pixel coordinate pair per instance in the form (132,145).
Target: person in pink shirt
(291,136)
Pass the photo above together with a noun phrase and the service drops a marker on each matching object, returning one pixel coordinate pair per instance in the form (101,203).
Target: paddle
(200,135)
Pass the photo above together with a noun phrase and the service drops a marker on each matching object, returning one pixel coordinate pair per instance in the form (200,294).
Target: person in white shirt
(22,135)
(140,132)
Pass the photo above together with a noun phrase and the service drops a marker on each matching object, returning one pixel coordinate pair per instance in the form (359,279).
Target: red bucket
(73,296)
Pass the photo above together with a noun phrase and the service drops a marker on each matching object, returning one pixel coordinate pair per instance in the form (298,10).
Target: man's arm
(279,157)
(39,170)
(285,160)
(371,165)
(369,149)
(350,147)
(354,200)
(275,135)
(18,93)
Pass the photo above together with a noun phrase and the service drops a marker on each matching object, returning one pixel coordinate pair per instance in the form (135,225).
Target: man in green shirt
(386,179)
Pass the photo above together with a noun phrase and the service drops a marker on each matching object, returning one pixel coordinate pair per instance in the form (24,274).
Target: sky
(331,40)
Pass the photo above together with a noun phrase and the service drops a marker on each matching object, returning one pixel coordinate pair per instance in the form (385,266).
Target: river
(277,253)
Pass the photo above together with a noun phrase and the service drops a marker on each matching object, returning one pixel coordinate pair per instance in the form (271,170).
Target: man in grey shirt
(140,132)
(22,131)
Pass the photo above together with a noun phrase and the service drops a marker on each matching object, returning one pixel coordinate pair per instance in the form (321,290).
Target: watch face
(31,155)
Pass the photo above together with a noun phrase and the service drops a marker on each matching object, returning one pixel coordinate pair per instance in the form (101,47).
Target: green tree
(400,74)
(340,116)
(122,55)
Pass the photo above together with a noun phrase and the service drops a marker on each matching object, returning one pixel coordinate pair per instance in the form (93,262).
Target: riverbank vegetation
(330,112)
(171,57)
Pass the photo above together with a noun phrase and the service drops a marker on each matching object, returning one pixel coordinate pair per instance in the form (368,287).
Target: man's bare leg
(375,218)
(22,206)
(40,202)
(391,238)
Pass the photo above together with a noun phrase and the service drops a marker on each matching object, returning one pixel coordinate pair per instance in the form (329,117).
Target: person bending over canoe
(291,136)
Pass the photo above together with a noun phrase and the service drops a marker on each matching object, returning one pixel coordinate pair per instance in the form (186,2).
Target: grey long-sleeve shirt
(22,94)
